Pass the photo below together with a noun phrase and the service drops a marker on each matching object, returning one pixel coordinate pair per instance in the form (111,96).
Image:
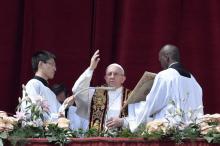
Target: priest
(175,91)
(44,68)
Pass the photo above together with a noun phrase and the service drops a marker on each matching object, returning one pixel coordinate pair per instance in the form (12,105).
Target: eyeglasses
(51,63)
(114,74)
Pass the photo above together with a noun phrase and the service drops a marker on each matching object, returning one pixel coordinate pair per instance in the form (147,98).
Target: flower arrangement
(174,128)
(30,122)
(210,127)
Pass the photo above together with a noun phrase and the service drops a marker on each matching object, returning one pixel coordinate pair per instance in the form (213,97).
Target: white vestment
(36,88)
(83,99)
(169,86)
(76,121)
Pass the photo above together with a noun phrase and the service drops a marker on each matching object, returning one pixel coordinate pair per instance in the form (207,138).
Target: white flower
(45,106)
(178,112)
(20,115)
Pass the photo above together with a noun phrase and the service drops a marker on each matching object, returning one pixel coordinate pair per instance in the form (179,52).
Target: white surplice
(83,99)
(168,86)
(36,88)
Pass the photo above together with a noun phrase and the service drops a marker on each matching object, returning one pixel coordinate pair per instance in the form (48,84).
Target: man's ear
(105,78)
(40,64)
(123,79)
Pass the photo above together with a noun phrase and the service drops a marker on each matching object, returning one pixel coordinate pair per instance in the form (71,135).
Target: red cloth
(129,32)
(102,141)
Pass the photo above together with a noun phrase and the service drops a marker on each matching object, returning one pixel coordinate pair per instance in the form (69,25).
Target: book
(142,88)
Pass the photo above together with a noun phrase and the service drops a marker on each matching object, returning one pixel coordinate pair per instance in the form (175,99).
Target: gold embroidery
(99,107)
(99,101)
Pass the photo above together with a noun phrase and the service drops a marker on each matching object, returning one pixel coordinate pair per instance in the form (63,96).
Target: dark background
(129,32)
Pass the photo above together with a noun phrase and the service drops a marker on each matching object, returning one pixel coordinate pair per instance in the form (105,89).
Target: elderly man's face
(114,76)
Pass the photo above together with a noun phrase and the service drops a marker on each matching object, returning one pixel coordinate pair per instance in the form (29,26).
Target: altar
(104,141)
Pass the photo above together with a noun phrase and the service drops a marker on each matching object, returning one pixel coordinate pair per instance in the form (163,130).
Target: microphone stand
(66,103)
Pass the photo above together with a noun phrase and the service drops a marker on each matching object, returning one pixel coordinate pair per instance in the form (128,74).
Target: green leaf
(217,135)
(51,139)
(3,135)
(1,142)
(209,139)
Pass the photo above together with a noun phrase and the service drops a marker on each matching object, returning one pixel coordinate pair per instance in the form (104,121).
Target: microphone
(102,88)
(68,101)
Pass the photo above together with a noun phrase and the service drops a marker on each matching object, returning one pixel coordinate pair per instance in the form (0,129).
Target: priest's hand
(94,60)
(114,122)
(69,101)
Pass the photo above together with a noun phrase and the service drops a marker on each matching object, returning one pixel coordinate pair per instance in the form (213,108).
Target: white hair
(117,65)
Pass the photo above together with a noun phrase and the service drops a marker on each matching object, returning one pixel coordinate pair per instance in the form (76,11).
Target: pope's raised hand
(94,60)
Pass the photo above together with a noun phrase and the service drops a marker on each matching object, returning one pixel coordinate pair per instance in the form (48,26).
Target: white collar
(118,90)
(172,64)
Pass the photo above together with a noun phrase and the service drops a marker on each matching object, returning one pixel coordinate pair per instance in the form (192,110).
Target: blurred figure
(76,122)
(60,91)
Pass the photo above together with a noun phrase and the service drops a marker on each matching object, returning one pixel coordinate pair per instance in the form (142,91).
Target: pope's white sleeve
(83,99)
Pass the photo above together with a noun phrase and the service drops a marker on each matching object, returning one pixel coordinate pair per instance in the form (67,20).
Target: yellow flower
(205,119)
(3,114)
(217,128)
(157,125)
(63,123)
(7,123)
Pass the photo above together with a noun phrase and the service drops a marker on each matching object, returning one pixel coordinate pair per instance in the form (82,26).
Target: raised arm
(83,98)
(84,80)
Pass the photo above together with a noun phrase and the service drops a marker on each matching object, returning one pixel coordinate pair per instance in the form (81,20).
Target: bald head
(168,54)
(172,51)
